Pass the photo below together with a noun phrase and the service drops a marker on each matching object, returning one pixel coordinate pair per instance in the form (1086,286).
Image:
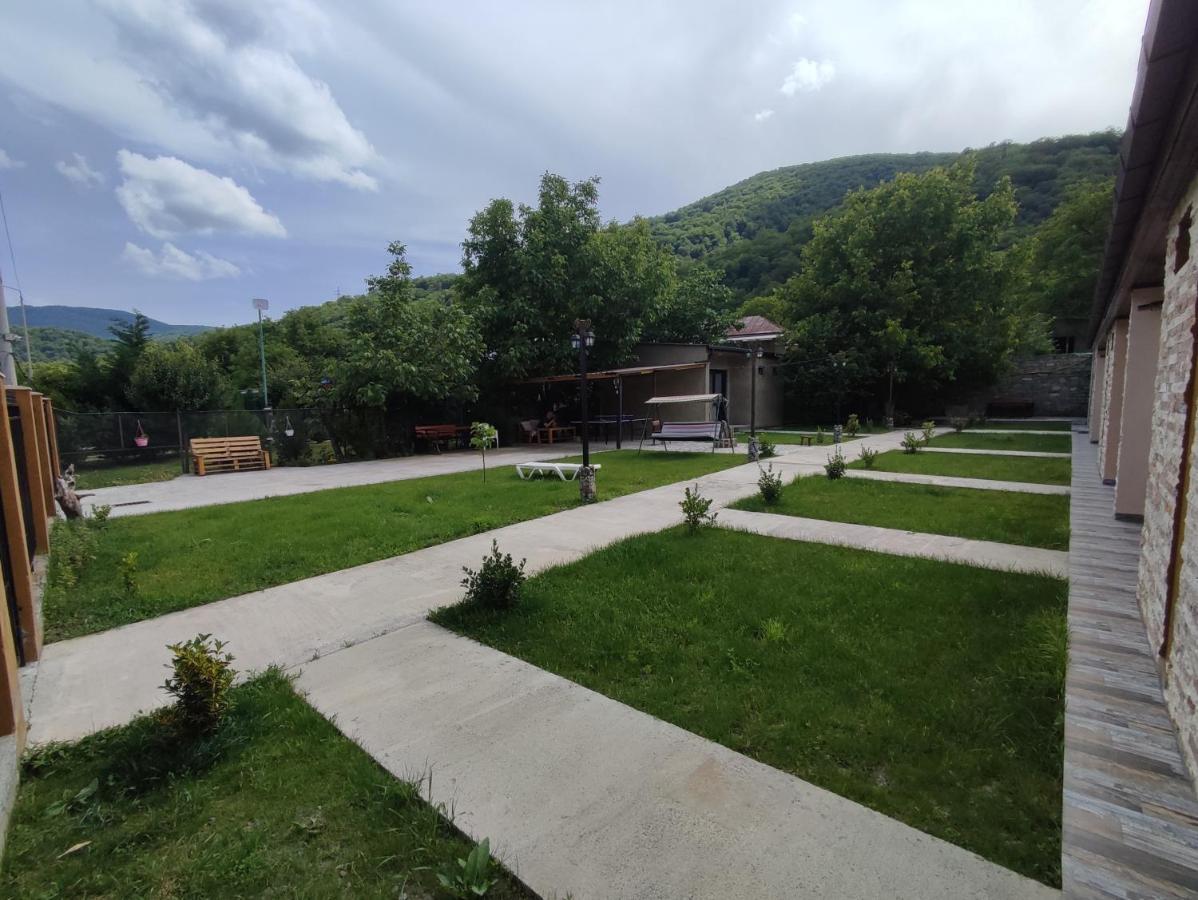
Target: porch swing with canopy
(716,432)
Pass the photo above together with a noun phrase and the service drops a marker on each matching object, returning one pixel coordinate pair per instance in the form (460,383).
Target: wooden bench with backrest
(436,435)
(228,454)
(690,431)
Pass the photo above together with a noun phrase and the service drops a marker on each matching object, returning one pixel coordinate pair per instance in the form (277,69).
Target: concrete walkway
(586,797)
(188,491)
(985,554)
(1130,816)
(994,452)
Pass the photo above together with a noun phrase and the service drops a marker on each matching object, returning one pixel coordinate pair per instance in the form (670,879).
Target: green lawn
(781,437)
(195,556)
(138,473)
(1036,443)
(1035,520)
(279,804)
(1028,426)
(928,691)
(1031,469)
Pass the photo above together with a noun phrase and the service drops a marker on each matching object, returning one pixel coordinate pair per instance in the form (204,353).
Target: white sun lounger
(564,471)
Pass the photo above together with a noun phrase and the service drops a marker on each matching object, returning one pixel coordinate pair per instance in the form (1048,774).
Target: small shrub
(958,424)
(74,547)
(867,457)
(201,676)
(819,434)
(497,582)
(911,442)
(835,467)
(696,510)
(128,570)
(100,515)
(319,453)
(929,431)
(766,449)
(769,484)
(469,877)
(852,426)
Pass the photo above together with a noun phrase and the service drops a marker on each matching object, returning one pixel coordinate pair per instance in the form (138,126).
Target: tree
(908,279)
(399,348)
(1058,263)
(698,308)
(175,376)
(530,272)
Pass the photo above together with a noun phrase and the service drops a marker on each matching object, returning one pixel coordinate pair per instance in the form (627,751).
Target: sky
(182,157)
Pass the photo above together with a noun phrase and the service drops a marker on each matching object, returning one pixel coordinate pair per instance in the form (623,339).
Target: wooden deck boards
(1130,823)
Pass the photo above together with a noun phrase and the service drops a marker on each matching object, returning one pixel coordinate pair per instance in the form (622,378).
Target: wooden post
(43,453)
(33,466)
(52,439)
(12,707)
(18,547)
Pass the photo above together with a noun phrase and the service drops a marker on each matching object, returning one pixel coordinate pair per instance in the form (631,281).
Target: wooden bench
(228,454)
(691,431)
(436,435)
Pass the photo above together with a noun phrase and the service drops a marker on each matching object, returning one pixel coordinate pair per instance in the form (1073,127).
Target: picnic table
(560,432)
(604,423)
(564,471)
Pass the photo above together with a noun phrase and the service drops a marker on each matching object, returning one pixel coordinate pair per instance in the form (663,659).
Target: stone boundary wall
(1058,384)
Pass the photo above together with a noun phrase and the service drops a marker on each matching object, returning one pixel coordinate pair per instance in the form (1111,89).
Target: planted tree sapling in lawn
(482,436)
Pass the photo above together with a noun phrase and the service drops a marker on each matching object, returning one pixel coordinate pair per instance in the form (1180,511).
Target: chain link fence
(312,436)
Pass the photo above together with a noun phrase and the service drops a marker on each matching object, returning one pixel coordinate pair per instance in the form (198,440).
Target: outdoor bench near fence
(228,454)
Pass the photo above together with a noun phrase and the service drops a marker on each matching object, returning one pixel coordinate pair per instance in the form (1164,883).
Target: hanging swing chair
(140,438)
(288,428)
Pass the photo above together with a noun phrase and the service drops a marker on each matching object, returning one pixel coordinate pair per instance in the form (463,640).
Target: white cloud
(762,114)
(166,197)
(231,72)
(171,262)
(7,162)
(807,76)
(79,171)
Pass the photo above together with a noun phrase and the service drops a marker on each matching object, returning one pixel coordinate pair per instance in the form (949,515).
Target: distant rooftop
(754,328)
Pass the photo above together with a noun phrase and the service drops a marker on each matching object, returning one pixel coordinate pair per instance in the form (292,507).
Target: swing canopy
(683,398)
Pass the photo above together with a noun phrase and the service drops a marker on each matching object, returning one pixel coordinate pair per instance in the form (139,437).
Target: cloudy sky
(184,156)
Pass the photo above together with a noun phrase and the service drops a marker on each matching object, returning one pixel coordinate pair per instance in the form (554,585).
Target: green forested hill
(58,344)
(753,231)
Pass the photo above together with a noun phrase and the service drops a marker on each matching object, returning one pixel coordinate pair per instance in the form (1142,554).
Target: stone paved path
(1130,815)
(584,796)
(986,554)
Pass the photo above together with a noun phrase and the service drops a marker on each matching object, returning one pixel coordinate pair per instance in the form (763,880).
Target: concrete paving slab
(985,554)
(586,797)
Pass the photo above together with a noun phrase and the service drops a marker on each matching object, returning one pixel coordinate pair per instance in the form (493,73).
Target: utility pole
(261,304)
(8,363)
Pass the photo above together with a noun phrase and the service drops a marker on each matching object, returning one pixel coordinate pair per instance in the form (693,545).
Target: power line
(20,291)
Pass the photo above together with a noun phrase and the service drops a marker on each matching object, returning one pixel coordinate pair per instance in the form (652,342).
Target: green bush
(958,424)
(867,457)
(769,484)
(835,466)
(911,442)
(696,510)
(201,676)
(74,546)
(766,449)
(819,434)
(319,453)
(100,515)
(852,426)
(497,583)
(929,431)
(128,569)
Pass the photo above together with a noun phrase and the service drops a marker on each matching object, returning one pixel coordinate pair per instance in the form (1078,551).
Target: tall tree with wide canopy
(908,280)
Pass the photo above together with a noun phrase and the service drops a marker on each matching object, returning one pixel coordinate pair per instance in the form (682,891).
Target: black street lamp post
(755,357)
(583,339)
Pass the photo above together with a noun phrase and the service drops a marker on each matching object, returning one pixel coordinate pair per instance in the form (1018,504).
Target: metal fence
(310,436)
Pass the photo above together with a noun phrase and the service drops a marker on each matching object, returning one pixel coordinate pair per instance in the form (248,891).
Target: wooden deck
(1130,821)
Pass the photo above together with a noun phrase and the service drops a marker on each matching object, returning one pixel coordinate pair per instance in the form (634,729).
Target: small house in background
(727,369)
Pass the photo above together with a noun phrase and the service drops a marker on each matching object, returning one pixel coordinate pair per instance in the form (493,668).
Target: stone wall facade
(1180,673)
(1057,384)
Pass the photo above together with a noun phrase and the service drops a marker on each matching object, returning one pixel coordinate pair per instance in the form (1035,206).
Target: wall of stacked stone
(1104,421)
(1057,384)
(1168,420)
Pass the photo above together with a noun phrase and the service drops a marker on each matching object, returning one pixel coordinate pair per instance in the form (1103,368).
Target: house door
(719,385)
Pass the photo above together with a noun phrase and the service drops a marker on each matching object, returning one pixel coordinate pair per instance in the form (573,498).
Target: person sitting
(550,419)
